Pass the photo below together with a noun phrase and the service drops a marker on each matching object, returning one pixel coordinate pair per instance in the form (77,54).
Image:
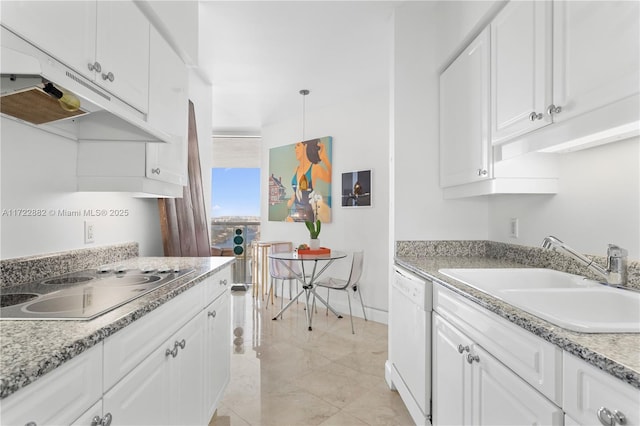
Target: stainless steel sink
(566,300)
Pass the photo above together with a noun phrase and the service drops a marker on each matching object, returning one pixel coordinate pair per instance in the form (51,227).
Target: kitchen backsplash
(531,256)
(22,270)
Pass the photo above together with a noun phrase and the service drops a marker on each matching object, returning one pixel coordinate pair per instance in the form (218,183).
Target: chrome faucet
(616,272)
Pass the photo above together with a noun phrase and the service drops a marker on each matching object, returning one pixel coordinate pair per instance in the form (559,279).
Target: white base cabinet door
(165,389)
(451,378)
(471,387)
(592,396)
(59,397)
(186,378)
(143,396)
(500,397)
(217,353)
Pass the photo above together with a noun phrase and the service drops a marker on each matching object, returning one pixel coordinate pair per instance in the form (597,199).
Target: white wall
(598,203)
(420,211)
(360,131)
(39,172)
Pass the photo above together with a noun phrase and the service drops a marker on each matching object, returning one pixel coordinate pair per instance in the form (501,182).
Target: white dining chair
(348,285)
(278,271)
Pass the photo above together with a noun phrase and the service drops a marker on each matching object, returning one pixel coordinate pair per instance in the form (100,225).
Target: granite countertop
(32,348)
(616,353)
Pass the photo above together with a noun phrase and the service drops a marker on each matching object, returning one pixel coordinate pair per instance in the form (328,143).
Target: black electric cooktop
(82,295)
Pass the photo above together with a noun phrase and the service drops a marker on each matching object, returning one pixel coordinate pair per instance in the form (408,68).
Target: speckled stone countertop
(616,353)
(30,349)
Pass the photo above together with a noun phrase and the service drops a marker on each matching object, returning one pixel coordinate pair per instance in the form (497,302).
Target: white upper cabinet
(105,41)
(596,49)
(464,116)
(520,69)
(65,30)
(122,50)
(169,112)
(572,64)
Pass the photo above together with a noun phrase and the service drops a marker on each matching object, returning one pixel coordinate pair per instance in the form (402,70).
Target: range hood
(27,74)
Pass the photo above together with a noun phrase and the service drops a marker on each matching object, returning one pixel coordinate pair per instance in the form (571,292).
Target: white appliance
(408,368)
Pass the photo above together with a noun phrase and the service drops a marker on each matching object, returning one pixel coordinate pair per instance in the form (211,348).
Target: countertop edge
(125,315)
(530,323)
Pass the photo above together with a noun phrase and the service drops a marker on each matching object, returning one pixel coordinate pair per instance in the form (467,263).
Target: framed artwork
(300,181)
(356,189)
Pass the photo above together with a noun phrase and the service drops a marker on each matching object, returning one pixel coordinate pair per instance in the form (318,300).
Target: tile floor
(282,374)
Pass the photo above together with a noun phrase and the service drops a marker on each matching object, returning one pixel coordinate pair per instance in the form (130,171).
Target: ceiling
(260,54)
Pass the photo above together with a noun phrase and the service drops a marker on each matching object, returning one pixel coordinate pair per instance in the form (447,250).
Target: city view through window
(235,212)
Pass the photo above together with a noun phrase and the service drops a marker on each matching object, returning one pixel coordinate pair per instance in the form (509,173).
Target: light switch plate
(513,227)
(89,236)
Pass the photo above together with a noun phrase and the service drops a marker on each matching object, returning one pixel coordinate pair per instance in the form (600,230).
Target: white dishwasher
(408,368)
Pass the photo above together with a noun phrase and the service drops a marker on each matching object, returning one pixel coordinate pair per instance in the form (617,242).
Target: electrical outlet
(89,236)
(513,227)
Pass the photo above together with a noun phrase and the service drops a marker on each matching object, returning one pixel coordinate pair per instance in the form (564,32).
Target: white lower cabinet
(164,388)
(488,371)
(592,396)
(170,367)
(451,379)
(217,351)
(61,396)
(472,387)
(500,397)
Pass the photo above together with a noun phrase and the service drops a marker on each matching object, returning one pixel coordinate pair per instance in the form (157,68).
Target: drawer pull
(610,419)
(212,314)
(471,358)
(535,116)
(553,109)
(93,67)
(109,76)
(106,420)
(463,348)
(173,353)
(181,344)
(223,282)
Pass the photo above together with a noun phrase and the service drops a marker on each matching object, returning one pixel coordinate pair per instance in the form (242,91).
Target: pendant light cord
(304,93)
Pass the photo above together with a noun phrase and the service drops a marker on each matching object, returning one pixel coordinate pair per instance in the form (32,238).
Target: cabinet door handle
(463,348)
(155,171)
(482,172)
(95,67)
(106,420)
(109,76)
(553,109)
(607,418)
(223,282)
(535,116)
(173,353)
(471,358)
(96,421)
(181,344)
(32,424)
(211,314)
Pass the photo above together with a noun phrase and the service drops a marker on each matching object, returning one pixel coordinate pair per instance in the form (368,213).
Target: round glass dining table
(307,268)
